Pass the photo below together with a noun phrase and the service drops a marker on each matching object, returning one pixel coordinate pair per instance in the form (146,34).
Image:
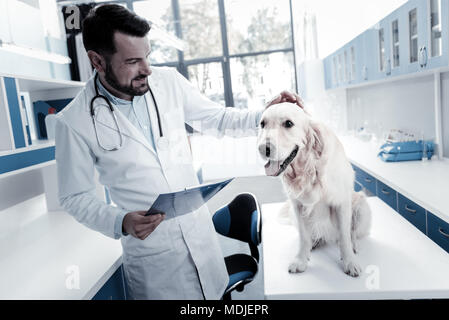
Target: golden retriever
(318,180)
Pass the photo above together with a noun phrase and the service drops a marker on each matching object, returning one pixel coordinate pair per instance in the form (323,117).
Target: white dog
(318,180)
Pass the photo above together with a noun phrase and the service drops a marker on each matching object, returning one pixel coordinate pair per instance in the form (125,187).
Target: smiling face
(282,134)
(128,68)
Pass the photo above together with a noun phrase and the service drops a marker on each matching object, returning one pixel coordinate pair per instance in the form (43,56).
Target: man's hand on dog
(286,96)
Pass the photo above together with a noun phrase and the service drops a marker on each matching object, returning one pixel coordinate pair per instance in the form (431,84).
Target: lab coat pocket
(147,276)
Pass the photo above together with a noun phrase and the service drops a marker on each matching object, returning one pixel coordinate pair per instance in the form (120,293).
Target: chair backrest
(240,219)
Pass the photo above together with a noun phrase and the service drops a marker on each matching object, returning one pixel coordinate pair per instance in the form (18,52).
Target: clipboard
(179,203)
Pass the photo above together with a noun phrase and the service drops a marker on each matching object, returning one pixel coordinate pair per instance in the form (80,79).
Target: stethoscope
(112,110)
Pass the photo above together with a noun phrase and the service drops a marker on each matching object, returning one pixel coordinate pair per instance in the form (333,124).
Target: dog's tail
(361,215)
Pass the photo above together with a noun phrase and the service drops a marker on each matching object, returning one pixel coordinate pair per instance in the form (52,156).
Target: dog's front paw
(297,266)
(351,268)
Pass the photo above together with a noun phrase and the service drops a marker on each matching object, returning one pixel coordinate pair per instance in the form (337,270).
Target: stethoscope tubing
(112,110)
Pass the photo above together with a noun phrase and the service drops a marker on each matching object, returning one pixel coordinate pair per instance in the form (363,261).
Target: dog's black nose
(266,149)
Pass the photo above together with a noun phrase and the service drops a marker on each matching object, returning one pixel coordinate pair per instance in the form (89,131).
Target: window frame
(182,64)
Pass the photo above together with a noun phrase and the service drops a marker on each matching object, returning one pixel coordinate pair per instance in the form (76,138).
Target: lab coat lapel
(154,86)
(126,127)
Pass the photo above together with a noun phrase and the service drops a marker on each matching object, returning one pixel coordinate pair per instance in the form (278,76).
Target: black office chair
(241,220)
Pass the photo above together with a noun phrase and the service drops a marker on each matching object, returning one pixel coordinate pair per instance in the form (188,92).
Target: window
(413,35)
(395,37)
(208,77)
(160,14)
(259,62)
(435,28)
(257,25)
(200,24)
(381,50)
(262,77)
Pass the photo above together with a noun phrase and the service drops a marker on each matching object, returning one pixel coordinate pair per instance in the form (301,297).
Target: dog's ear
(315,139)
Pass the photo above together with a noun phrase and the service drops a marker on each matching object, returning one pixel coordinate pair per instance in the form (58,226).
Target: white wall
(340,21)
(406,104)
(22,22)
(445,112)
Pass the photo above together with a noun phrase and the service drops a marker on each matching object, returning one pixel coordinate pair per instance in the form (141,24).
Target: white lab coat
(182,258)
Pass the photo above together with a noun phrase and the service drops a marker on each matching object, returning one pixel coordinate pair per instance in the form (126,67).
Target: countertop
(398,262)
(49,255)
(424,182)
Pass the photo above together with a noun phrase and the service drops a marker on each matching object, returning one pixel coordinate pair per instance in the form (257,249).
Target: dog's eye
(288,124)
(262,124)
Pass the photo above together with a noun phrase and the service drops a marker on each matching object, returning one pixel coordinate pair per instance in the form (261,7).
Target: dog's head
(285,130)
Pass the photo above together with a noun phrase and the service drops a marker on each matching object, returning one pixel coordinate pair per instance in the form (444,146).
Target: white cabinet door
(437,17)
(415,13)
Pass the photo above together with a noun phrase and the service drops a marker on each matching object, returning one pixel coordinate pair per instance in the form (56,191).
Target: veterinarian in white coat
(174,259)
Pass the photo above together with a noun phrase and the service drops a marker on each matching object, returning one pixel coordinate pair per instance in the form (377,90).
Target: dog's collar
(287,161)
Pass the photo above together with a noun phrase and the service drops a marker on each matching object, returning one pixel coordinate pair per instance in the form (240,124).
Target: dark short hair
(103,21)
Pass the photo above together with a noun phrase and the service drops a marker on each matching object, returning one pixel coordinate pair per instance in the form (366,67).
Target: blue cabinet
(387,194)
(438,231)
(345,66)
(434,227)
(357,186)
(367,181)
(414,13)
(397,30)
(367,44)
(437,26)
(328,69)
(114,288)
(413,38)
(412,212)
(364,180)
(381,56)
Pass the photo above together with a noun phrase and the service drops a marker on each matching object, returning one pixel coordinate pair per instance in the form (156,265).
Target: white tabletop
(424,182)
(41,253)
(399,262)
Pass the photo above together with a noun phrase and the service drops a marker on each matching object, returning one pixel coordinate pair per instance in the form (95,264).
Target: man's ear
(97,61)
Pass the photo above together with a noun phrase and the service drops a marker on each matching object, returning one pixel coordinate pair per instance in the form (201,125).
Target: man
(128,124)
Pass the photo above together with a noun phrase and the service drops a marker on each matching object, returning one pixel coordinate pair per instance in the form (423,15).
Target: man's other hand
(286,96)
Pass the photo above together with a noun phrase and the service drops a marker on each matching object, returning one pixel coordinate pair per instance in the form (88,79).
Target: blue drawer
(388,195)
(113,289)
(357,186)
(366,180)
(412,212)
(355,167)
(438,231)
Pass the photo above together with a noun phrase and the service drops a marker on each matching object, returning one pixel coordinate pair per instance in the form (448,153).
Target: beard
(130,90)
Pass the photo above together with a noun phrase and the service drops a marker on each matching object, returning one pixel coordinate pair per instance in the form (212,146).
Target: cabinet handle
(424,50)
(409,210)
(443,233)
(385,192)
(368,180)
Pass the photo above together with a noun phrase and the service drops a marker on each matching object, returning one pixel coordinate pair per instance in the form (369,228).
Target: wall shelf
(37,144)
(17,116)
(26,160)
(31,84)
